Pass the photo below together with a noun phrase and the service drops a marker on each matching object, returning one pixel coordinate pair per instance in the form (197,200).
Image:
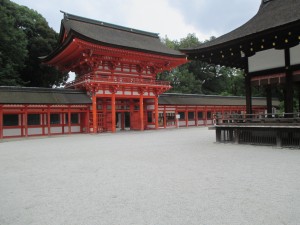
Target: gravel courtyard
(164,177)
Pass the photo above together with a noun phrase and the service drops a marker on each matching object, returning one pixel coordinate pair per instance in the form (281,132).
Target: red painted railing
(109,79)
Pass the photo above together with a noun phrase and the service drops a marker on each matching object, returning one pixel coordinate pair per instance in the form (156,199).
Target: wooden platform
(280,132)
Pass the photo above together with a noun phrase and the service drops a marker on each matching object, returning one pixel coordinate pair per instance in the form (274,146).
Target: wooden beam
(289,90)
(248,94)
(94,108)
(142,111)
(156,111)
(113,112)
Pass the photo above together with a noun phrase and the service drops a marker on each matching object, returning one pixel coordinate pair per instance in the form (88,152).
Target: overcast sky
(174,18)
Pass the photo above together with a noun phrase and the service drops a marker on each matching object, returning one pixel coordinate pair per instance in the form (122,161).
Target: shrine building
(267,48)
(115,87)
(116,66)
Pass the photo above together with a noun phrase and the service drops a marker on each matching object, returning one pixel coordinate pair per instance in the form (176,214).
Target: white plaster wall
(182,123)
(12,132)
(191,123)
(200,122)
(75,129)
(56,130)
(35,131)
(268,59)
(295,55)
(209,122)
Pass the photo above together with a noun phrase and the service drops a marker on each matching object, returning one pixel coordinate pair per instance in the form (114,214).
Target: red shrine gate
(117,66)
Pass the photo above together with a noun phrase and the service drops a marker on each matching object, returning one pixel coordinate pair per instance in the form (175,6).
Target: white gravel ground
(164,177)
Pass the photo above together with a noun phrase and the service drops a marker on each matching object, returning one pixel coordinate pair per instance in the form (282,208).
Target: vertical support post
(156,111)
(21,123)
(165,117)
(196,117)
(248,94)
(205,116)
(186,114)
(269,100)
(63,121)
(43,123)
(1,121)
(69,120)
(113,112)
(25,121)
(289,90)
(94,108)
(298,98)
(142,111)
(48,120)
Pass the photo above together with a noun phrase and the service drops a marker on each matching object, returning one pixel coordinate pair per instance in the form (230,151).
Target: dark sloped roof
(271,15)
(23,95)
(192,99)
(114,35)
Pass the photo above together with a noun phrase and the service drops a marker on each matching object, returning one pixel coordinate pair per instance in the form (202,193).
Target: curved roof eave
(273,15)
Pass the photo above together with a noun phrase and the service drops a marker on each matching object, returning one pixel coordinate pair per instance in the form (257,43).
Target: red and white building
(115,87)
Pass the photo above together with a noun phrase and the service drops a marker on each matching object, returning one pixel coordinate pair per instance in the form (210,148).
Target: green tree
(201,77)
(39,40)
(13,46)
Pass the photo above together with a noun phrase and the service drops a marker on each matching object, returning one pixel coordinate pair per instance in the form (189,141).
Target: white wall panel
(295,55)
(268,59)
(12,132)
(35,131)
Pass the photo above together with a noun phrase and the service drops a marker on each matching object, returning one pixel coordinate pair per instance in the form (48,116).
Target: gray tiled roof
(271,15)
(114,35)
(23,95)
(198,100)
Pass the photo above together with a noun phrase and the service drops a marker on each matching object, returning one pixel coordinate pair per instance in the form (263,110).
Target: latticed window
(200,115)
(209,115)
(191,115)
(11,120)
(74,118)
(55,118)
(33,119)
(182,115)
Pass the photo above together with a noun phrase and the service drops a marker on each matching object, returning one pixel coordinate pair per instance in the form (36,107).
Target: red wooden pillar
(25,121)
(142,111)
(156,111)
(186,118)
(43,122)
(94,109)
(21,123)
(69,120)
(176,119)
(165,117)
(48,120)
(63,121)
(1,122)
(113,112)
(196,116)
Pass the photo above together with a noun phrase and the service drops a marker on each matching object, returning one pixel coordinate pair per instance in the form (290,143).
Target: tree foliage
(24,37)
(197,77)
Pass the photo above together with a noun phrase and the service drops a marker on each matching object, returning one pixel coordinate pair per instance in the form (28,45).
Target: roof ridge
(69,16)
